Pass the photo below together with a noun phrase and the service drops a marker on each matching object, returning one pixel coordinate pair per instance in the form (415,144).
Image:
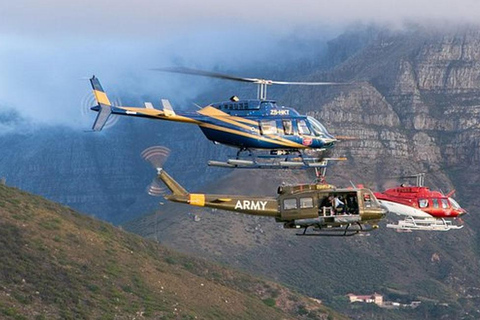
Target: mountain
(59,264)
(413,106)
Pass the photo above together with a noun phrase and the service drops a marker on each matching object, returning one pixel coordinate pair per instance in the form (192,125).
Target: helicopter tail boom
(179,194)
(250,205)
(171,184)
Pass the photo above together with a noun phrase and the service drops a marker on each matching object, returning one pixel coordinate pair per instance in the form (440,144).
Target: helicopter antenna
(197,105)
(262,83)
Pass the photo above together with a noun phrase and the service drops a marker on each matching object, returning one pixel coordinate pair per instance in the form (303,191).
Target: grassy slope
(56,263)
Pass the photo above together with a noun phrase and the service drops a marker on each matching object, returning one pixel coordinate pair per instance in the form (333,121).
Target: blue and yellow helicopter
(279,134)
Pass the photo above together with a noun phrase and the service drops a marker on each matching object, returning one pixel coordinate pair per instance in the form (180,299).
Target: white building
(374,298)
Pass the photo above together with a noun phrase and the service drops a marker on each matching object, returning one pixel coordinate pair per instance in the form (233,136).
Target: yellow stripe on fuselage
(220,115)
(255,123)
(196,199)
(158,114)
(231,120)
(286,143)
(277,139)
(212,111)
(101,97)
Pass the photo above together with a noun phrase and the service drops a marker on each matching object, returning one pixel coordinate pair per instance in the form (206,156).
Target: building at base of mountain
(379,301)
(373,298)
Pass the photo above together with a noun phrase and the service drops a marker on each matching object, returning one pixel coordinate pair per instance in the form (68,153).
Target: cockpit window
(369,200)
(435,203)
(302,128)
(288,127)
(317,127)
(454,203)
(289,204)
(444,203)
(268,127)
(423,203)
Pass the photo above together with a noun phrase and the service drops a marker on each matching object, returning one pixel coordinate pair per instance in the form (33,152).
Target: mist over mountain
(11,121)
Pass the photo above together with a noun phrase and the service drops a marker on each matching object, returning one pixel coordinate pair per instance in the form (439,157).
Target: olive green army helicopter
(321,208)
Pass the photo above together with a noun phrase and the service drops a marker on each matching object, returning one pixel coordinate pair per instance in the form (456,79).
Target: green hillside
(56,263)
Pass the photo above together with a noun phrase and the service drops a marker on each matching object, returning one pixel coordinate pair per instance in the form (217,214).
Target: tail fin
(104,107)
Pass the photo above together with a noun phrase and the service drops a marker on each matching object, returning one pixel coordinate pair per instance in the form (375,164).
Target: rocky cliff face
(414,104)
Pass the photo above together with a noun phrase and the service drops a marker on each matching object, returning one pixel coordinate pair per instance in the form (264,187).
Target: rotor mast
(262,89)
(420,179)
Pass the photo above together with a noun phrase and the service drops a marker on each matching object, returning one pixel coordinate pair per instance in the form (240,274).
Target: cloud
(46,78)
(164,17)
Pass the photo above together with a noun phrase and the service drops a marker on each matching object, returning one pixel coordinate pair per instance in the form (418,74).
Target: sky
(49,48)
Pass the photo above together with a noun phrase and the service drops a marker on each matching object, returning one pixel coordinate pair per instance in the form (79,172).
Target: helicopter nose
(329,141)
(384,211)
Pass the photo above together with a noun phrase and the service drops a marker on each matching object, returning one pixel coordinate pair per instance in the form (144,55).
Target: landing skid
(346,231)
(274,159)
(411,224)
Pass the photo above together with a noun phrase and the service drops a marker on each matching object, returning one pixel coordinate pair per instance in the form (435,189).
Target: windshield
(444,203)
(454,203)
(317,127)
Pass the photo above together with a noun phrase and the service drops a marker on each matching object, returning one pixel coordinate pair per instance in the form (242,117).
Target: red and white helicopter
(422,208)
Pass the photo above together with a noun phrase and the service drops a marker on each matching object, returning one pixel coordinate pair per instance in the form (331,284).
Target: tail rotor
(156,156)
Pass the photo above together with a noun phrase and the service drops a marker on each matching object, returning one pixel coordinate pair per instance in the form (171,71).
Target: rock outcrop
(414,104)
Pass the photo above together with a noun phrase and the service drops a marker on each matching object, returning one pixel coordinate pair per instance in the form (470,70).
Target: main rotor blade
(309,83)
(210,74)
(406,176)
(203,73)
